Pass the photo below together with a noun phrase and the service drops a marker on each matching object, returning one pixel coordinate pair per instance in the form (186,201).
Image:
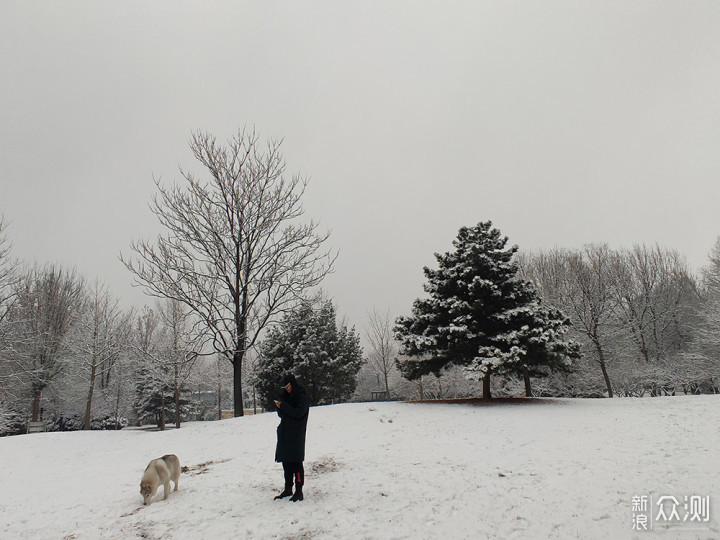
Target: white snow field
(550,468)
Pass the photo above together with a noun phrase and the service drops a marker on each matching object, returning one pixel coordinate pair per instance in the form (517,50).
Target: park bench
(36,427)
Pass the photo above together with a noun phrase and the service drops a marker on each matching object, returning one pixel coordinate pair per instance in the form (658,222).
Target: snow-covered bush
(12,422)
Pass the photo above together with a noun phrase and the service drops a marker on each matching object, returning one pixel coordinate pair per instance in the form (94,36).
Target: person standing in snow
(292,408)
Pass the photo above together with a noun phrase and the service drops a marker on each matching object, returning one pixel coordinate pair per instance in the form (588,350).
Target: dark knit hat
(288,378)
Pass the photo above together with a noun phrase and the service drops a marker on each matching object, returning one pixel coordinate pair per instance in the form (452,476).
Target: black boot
(299,481)
(288,486)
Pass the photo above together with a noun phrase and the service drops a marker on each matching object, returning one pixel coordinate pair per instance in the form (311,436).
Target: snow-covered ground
(546,469)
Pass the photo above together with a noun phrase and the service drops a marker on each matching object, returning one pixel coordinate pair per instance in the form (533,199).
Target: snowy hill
(542,469)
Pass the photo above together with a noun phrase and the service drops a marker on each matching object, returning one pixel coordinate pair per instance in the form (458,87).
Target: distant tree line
(73,359)
(647,325)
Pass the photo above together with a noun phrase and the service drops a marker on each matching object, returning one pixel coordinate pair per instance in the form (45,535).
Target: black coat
(293,413)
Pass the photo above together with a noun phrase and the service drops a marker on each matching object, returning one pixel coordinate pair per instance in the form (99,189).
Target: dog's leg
(164,476)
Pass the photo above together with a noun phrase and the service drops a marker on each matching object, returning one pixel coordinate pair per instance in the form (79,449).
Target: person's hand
(277,403)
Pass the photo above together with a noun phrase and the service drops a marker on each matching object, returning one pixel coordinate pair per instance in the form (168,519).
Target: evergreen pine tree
(308,342)
(152,396)
(481,315)
(155,397)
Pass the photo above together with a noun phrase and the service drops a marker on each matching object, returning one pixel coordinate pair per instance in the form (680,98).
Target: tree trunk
(88,404)
(387,386)
(219,397)
(486,386)
(117,405)
(603,368)
(177,406)
(237,383)
(161,419)
(37,397)
(176,393)
(528,390)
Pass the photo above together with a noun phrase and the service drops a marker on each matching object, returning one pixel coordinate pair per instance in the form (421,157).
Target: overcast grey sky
(563,122)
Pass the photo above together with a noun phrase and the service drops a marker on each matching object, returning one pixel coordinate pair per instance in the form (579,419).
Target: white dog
(160,471)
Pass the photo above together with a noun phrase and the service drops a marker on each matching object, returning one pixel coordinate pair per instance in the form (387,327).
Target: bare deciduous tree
(235,252)
(181,350)
(580,283)
(46,307)
(148,345)
(383,347)
(703,357)
(122,385)
(654,290)
(168,353)
(103,333)
(8,272)
(592,300)
(8,278)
